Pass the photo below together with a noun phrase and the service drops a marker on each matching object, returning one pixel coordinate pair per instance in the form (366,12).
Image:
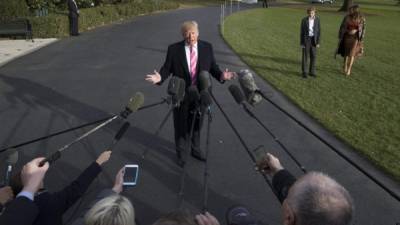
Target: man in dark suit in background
(73,17)
(186,59)
(310,32)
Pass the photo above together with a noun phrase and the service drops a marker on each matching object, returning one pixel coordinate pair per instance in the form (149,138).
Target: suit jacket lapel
(183,60)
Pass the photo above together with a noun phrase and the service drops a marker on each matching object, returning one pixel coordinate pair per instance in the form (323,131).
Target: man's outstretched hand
(153,78)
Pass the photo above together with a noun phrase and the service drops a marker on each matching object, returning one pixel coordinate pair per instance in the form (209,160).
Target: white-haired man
(186,59)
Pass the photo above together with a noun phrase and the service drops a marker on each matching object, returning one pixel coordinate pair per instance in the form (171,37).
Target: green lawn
(364,109)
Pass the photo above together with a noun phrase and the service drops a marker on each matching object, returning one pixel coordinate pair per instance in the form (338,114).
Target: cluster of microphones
(199,95)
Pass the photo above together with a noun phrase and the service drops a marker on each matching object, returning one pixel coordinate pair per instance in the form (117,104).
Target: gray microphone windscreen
(236,93)
(12,157)
(173,86)
(181,90)
(193,94)
(205,98)
(249,87)
(136,102)
(204,80)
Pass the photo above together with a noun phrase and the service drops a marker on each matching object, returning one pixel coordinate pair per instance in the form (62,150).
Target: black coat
(20,211)
(304,31)
(176,63)
(53,205)
(72,8)
(281,182)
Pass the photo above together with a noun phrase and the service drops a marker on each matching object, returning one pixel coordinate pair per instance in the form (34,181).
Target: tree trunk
(346,5)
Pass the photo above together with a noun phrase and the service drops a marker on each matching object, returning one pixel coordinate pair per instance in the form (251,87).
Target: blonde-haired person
(112,210)
(109,207)
(351,36)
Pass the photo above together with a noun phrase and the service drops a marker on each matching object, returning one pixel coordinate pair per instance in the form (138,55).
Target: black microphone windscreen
(122,131)
(193,94)
(249,87)
(181,90)
(204,80)
(12,157)
(173,86)
(236,93)
(205,98)
(135,102)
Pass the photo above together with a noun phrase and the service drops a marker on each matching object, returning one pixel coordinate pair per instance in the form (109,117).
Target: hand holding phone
(131,175)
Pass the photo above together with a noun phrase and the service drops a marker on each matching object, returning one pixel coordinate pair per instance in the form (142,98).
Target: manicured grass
(363,109)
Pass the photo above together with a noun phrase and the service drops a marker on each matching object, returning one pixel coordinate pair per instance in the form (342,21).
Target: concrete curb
(13,49)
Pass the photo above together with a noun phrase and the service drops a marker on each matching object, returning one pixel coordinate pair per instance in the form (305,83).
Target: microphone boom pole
(243,143)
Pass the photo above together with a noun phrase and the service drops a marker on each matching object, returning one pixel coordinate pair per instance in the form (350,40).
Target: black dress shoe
(313,75)
(304,75)
(198,156)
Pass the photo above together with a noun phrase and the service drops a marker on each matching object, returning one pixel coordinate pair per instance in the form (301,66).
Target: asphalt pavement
(82,79)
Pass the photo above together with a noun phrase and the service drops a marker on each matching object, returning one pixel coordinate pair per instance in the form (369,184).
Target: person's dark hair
(182,217)
(318,199)
(311,9)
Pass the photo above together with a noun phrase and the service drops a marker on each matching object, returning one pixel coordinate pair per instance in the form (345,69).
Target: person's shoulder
(176,44)
(204,44)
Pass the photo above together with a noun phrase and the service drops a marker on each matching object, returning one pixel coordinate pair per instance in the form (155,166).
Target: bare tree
(346,5)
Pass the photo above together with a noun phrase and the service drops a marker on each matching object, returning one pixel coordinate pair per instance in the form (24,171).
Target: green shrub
(56,24)
(10,9)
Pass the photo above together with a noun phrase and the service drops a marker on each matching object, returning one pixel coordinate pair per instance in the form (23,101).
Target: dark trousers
(309,51)
(265,3)
(73,24)
(183,117)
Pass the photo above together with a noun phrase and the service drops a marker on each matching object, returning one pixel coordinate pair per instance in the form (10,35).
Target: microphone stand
(251,114)
(75,128)
(160,127)
(333,148)
(206,173)
(243,143)
(196,112)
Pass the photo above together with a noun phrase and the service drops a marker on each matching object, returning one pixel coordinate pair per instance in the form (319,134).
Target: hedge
(56,24)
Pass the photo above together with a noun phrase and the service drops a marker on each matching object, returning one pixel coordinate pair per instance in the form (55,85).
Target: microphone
(205,101)
(173,86)
(252,92)
(204,81)
(176,89)
(193,95)
(121,131)
(11,160)
(237,94)
(134,103)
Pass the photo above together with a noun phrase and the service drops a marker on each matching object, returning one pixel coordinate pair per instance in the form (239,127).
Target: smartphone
(259,153)
(131,175)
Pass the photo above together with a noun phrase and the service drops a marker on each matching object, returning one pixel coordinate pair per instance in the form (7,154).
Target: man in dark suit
(310,32)
(186,59)
(73,17)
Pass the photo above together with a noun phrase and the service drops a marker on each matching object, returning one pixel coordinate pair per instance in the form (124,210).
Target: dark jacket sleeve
(214,69)
(342,29)
(302,31)
(21,211)
(70,194)
(281,182)
(318,36)
(165,70)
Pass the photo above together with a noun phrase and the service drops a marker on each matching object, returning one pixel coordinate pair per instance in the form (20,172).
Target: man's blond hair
(188,25)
